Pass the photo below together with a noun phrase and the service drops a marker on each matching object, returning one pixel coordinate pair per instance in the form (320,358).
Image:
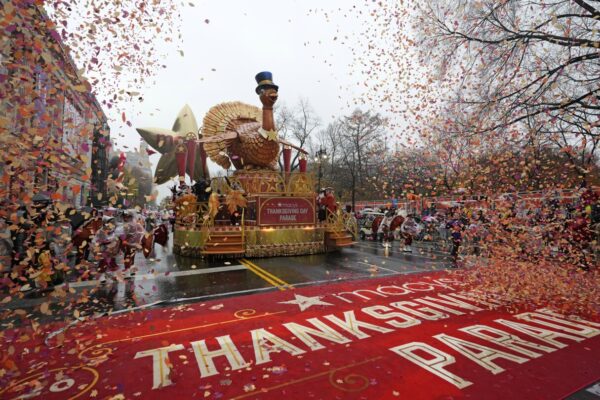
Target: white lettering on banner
(419,286)
(421,312)
(445,299)
(393,290)
(507,340)
(490,304)
(383,312)
(401,291)
(540,333)
(351,324)
(542,319)
(204,356)
(549,327)
(572,318)
(441,307)
(305,333)
(478,353)
(160,368)
(434,365)
(262,350)
(446,283)
(278,211)
(358,294)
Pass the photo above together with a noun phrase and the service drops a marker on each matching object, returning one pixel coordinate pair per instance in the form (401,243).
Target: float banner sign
(286,211)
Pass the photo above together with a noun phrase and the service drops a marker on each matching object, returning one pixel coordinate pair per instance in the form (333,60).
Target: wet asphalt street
(170,279)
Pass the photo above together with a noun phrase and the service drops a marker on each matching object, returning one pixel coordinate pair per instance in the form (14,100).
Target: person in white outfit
(384,228)
(131,239)
(409,230)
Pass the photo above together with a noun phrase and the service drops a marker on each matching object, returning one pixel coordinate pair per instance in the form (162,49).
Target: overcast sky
(308,52)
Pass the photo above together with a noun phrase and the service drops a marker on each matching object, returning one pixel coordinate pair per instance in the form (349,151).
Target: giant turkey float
(256,210)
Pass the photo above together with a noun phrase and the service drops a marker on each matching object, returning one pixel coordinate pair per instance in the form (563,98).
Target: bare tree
(331,140)
(361,131)
(520,63)
(297,125)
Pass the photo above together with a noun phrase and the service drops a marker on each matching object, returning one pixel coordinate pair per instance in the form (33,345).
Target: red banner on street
(286,211)
(401,337)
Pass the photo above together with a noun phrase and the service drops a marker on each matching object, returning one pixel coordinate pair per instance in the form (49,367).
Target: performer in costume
(131,240)
(329,201)
(384,228)
(106,244)
(409,230)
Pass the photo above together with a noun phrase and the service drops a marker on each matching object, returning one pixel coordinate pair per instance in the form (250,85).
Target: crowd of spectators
(42,242)
(552,225)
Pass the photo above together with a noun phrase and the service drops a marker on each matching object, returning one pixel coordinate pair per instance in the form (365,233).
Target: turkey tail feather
(226,117)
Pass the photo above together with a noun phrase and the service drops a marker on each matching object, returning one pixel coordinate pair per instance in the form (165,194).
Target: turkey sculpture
(243,135)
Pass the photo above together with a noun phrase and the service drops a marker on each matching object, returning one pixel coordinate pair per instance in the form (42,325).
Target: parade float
(256,210)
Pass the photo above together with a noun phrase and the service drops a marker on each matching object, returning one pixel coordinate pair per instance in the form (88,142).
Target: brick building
(54,135)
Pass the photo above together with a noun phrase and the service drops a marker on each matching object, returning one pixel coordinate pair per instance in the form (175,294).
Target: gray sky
(307,52)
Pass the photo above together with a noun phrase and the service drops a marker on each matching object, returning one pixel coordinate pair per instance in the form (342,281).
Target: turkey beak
(273,96)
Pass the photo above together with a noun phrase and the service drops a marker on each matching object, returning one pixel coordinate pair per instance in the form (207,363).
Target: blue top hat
(265,81)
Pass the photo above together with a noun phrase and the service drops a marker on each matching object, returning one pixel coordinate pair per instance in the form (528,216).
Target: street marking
(267,276)
(272,276)
(262,276)
(166,274)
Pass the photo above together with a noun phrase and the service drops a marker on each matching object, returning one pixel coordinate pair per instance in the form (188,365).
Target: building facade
(136,182)
(54,135)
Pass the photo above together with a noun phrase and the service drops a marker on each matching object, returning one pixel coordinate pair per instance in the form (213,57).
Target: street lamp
(320,155)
